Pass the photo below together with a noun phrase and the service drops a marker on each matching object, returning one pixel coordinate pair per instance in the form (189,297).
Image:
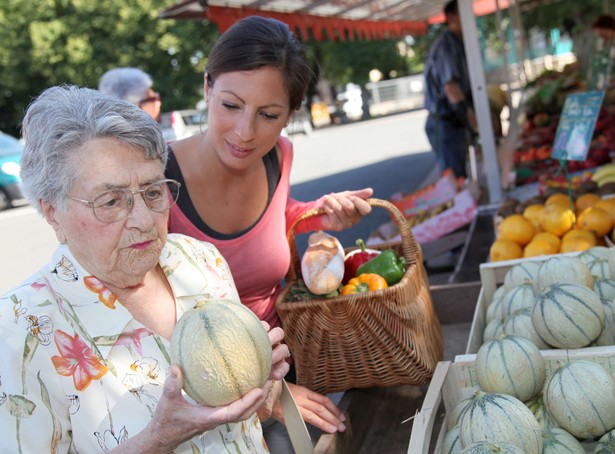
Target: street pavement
(390,154)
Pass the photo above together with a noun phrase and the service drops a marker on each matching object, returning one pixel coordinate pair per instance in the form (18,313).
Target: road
(390,154)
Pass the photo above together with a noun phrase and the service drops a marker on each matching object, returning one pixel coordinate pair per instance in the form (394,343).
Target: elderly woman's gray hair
(61,121)
(130,84)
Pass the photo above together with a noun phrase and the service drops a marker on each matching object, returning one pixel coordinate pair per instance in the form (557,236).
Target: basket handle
(411,249)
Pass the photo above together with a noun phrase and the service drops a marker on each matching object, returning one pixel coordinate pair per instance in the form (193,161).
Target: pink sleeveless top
(259,259)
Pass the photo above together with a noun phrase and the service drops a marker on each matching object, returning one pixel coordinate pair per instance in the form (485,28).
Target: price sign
(576,125)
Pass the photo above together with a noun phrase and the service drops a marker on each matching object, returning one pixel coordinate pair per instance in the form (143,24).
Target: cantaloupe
(606,444)
(562,269)
(605,288)
(607,335)
(537,406)
(518,297)
(580,396)
(510,365)
(568,315)
(223,351)
(489,447)
(495,417)
(557,441)
(521,273)
(595,253)
(451,444)
(599,268)
(520,323)
(493,329)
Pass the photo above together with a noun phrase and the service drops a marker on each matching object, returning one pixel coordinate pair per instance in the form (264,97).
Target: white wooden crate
(492,276)
(453,381)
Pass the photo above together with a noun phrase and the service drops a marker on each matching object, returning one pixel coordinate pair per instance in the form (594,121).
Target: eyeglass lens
(116,204)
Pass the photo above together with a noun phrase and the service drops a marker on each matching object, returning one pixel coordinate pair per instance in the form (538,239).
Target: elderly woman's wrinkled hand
(344,209)
(177,420)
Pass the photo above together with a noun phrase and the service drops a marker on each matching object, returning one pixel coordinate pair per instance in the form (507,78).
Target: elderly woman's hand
(344,209)
(176,420)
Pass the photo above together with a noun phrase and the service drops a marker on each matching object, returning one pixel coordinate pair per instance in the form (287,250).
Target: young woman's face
(247,112)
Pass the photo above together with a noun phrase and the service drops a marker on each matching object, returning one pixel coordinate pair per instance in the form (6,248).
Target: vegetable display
(365,282)
(387,264)
(355,259)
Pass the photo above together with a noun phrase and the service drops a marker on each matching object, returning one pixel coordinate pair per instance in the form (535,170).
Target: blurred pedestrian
(132,85)
(451,122)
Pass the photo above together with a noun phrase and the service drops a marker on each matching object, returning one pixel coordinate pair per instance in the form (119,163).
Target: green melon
(521,273)
(520,323)
(605,288)
(451,444)
(600,269)
(489,447)
(568,315)
(557,441)
(580,396)
(607,336)
(500,418)
(519,297)
(223,351)
(537,407)
(606,444)
(562,268)
(510,365)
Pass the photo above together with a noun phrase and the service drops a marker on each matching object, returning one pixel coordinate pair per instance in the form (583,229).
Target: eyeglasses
(153,98)
(116,204)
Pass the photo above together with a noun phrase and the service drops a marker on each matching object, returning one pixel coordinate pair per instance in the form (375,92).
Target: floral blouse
(79,374)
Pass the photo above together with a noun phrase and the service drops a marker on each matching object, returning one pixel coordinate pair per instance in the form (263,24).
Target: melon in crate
(510,365)
(498,417)
(520,323)
(580,396)
(521,273)
(605,288)
(494,310)
(519,297)
(607,335)
(557,441)
(562,269)
(493,329)
(453,417)
(606,444)
(599,268)
(568,315)
(490,447)
(537,406)
(451,444)
(595,253)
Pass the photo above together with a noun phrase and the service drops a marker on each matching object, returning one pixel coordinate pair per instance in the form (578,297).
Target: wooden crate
(454,381)
(492,276)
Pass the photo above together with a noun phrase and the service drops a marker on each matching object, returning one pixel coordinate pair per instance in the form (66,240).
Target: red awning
(480,8)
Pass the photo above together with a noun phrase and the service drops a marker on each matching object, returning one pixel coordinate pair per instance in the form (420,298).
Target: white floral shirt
(79,374)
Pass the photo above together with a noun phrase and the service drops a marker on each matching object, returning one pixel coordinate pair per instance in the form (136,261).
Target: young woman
(236,176)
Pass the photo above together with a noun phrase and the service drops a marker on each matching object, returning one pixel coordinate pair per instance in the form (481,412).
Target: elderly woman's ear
(49,212)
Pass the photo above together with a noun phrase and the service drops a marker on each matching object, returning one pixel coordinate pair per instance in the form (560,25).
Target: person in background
(601,63)
(132,85)
(236,176)
(451,122)
(84,363)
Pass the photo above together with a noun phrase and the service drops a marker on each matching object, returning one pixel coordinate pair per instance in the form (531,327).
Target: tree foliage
(51,42)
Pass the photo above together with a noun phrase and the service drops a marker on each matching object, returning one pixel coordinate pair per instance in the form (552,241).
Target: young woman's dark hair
(256,42)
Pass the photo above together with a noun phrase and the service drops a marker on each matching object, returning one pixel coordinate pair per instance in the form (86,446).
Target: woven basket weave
(385,337)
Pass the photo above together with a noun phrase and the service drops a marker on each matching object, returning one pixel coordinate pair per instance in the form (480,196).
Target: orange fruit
(586,200)
(607,205)
(559,198)
(533,212)
(595,220)
(505,250)
(578,240)
(538,247)
(517,228)
(549,238)
(557,219)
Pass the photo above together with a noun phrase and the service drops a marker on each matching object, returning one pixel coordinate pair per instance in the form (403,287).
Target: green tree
(75,41)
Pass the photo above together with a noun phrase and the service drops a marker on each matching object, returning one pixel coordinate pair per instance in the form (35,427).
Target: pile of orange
(559,225)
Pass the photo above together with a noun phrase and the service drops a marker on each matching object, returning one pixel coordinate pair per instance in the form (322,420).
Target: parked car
(300,123)
(180,124)
(10,181)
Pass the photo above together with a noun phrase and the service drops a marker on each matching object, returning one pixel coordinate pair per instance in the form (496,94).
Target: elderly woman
(84,363)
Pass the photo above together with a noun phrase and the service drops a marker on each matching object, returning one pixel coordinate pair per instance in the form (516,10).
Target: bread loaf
(322,264)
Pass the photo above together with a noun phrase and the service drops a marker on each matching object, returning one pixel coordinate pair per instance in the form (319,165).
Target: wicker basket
(386,337)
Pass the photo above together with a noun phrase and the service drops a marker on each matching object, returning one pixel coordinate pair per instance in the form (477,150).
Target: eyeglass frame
(154,97)
(131,196)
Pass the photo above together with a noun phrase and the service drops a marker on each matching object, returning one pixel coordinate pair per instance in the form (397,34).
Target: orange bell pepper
(365,282)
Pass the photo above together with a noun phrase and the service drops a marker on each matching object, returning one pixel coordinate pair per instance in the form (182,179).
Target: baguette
(322,264)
